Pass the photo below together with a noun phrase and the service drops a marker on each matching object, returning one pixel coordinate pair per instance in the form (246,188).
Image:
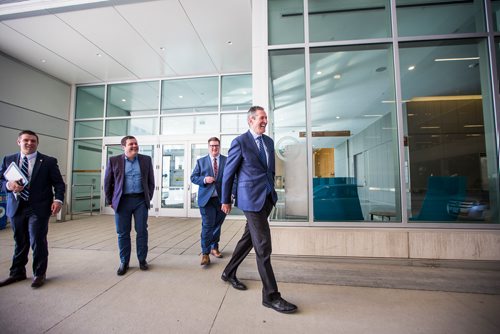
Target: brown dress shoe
(12,279)
(205,259)
(215,252)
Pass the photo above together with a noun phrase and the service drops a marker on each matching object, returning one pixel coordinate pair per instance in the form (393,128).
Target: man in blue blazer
(129,186)
(30,205)
(251,161)
(207,174)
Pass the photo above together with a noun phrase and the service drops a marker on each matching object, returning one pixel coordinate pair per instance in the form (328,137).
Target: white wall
(32,100)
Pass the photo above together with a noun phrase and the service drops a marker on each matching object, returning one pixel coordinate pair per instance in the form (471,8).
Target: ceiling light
(473,135)
(455,59)
(388,101)
(123,100)
(430,127)
(409,115)
(411,68)
(98,55)
(337,117)
(43,60)
(229,42)
(245,92)
(319,73)
(337,76)
(372,115)
(473,126)
(162,48)
(381,69)
(180,96)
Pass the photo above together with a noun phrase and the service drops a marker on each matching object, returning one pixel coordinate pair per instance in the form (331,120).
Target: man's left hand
(56,207)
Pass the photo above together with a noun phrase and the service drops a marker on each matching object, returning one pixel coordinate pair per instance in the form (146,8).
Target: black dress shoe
(143,265)
(280,305)
(12,279)
(234,282)
(38,281)
(122,270)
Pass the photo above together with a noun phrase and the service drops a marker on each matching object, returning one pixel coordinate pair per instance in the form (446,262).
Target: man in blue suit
(207,174)
(30,205)
(251,161)
(129,186)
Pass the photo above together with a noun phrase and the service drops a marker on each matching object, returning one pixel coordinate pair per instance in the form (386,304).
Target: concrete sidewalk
(83,294)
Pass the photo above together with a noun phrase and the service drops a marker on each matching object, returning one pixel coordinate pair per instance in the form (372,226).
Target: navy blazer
(202,169)
(44,181)
(243,163)
(115,176)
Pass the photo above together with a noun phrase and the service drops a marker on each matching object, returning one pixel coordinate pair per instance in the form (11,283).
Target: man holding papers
(30,180)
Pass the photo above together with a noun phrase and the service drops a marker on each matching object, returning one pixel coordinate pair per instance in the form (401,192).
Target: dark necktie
(216,169)
(262,153)
(24,169)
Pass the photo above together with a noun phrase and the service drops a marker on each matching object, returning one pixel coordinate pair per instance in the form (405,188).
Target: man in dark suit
(129,186)
(251,160)
(30,205)
(207,174)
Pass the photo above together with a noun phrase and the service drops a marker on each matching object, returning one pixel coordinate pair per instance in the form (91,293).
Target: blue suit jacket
(115,176)
(44,181)
(244,164)
(202,169)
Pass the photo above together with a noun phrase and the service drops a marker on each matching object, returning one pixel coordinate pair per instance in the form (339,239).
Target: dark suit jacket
(44,181)
(115,176)
(202,169)
(243,162)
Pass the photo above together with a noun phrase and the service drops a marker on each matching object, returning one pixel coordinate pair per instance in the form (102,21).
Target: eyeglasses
(214,146)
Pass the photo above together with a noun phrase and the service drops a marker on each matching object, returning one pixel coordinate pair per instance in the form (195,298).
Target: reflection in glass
(197,151)
(86,175)
(133,99)
(236,92)
(356,173)
(234,123)
(131,126)
(198,124)
(190,95)
(88,129)
(346,20)
(285,21)
(89,102)
(289,120)
(450,145)
(172,177)
(440,17)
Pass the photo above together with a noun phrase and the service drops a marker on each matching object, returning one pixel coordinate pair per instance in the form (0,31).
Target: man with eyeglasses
(207,174)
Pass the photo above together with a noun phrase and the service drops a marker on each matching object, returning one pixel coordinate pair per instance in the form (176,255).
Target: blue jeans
(212,218)
(128,207)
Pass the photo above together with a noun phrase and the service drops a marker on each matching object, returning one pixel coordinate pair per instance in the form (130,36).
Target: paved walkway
(83,294)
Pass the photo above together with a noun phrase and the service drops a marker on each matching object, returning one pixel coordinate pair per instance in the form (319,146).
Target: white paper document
(13,173)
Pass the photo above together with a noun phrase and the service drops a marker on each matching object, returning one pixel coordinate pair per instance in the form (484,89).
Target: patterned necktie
(24,169)
(216,169)
(262,153)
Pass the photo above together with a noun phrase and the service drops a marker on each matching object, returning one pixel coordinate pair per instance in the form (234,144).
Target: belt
(134,195)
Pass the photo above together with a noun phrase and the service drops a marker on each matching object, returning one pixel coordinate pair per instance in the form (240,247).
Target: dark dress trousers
(30,219)
(254,179)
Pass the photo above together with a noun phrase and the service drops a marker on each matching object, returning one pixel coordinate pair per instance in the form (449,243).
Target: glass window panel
(86,175)
(190,124)
(133,127)
(451,158)
(356,167)
(285,21)
(133,99)
(88,129)
(440,17)
(89,102)
(197,151)
(236,92)
(345,20)
(173,164)
(495,7)
(234,123)
(190,95)
(289,120)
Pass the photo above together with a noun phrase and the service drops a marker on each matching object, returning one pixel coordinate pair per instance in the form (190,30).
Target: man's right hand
(15,186)
(226,208)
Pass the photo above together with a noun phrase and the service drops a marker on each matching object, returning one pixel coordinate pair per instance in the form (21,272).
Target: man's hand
(226,208)
(56,207)
(209,179)
(15,186)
